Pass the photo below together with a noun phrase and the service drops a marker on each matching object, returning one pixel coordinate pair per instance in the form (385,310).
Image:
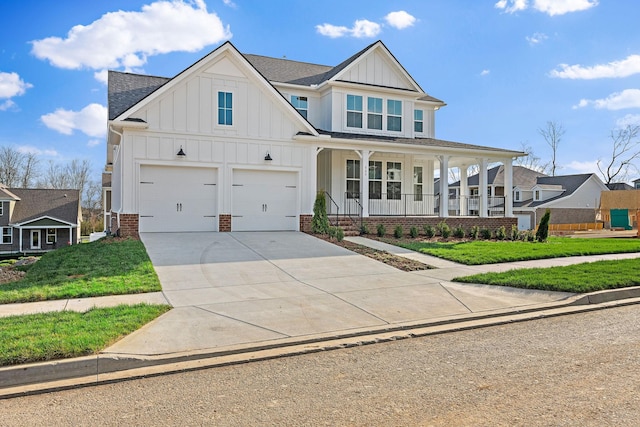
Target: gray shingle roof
(570,183)
(35,203)
(127,89)
(286,71)
(522,176)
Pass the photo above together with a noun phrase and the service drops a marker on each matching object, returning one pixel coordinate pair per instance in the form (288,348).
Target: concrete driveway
(230,289)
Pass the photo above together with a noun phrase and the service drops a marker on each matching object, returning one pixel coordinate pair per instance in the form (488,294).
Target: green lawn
(104,267)
(58,335)
(480,252)
(578,278)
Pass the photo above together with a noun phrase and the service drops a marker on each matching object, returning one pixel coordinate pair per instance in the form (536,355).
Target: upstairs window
(394,115)
(536,195)
(7,235)
(1,208)
(300,103)
(354,111)
(225,108)
(418,121)
(374,113)
(516,196)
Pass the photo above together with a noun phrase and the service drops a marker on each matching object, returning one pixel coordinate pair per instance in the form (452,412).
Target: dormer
(542,192)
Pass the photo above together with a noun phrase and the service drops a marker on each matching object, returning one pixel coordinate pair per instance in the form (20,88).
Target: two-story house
(240,142)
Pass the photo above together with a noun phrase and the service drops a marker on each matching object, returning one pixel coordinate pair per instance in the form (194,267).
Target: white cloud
(361,28)
(91,120)
(623,68)
(485,72)
(126,39)
(628,98)
(536,38)
(229,3)
(93,143)
(400,19)
(575,166)
(550,7)
(30,149)
(628,120)
(11,85)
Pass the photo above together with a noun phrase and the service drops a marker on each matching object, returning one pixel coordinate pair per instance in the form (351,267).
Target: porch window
(225,108)
(7,236)
(394,115)
(417,183)
(301,104)
(354,111)
(375,180)
(374,113)
(353,179)
(394,180)
(52,236)
(418,121)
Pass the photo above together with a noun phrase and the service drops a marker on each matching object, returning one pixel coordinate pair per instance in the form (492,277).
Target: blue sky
(504,67)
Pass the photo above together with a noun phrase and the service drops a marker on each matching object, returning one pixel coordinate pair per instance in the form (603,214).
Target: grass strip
(58,335)
(105,267)
(491,252)
(578,278)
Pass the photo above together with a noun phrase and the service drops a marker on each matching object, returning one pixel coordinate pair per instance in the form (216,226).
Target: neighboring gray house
(38,220)
(616,186)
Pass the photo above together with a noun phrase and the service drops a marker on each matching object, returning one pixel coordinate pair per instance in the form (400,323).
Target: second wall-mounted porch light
(181,152)
(268,157)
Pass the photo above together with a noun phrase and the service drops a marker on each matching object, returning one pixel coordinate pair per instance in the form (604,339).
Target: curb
(105,368)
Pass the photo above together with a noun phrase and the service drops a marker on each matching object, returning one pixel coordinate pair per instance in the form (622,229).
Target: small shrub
(364,229)
(515,233)
(340,234)
(429,231)
(444,230)
(320,222)
(413,232)
(458,232)
(501,233)
(381,230)
(474,232)
(485,233)
(543,227)
(530,236)
(397,232)
(332,232)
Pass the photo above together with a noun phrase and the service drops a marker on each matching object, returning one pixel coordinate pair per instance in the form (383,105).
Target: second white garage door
(264,201)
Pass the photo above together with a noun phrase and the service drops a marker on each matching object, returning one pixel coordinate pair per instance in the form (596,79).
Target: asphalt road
(579,370)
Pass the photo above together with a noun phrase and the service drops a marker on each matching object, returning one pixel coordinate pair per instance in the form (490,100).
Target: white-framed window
(52,236)
(394,180)
(417,183)
(353,179)
(7,236)
(354,111)
(300,103)
(1,208)
(418,121)
(536,195)
(374,113)
(375,179)
(516,196)
(225,108)
(394,115)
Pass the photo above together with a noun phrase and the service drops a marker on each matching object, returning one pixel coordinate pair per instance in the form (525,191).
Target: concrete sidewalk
(238,294)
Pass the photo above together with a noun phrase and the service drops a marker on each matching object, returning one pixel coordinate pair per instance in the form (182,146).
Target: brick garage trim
(128,225)
(224,223)
(391,222)
(305,223)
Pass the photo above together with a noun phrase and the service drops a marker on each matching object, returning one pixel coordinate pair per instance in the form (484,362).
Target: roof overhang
(30,223)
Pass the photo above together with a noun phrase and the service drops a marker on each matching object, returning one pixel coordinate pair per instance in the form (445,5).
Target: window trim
(295,100)
(393,195)
(9,235)
(354,110)
(1,208)
(418,121)
(54,235)
(394,115)
(356,179)
(225,109)
(375,164)
(417,196)
(374,113)
(34,233)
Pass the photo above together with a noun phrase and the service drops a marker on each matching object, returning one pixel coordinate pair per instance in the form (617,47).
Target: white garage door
(177,199)
(524,222)
(264,201)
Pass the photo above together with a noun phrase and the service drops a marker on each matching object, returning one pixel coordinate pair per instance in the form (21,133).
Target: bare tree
(530,161)
(552,134)
(17,169)
(626,149)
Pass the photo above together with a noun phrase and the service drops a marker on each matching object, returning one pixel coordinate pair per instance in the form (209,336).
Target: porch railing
(332,208)
(395,204)
(353,207)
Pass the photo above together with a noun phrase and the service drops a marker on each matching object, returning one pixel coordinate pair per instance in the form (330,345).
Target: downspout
(119,211)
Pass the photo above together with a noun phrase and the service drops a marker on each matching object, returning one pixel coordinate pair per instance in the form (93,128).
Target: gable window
(375,180)
(394,180)
(353,179)
(7,236)
(301,104)
(394,115)
(52,236)
(354,111)
(537,195)
(418,121)
(417,183)
(516,196)
(374,113)
(225,108)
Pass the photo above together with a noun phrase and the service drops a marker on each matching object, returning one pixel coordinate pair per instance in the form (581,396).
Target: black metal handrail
(327,195)
(351,198)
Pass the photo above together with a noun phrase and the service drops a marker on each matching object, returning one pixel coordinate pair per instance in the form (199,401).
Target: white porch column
(364,181)
(71,237)
(508,188)
(464,190)
(482,188)
(20,237)
(444,186)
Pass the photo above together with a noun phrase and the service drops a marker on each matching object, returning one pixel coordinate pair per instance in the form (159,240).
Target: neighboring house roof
(620,186)
(5,194)
(62,205)
(522,177)
(570,183)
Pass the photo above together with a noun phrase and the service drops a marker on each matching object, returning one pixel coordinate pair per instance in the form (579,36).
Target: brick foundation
(224,222)
(128,225)
(305,223)
(390,222)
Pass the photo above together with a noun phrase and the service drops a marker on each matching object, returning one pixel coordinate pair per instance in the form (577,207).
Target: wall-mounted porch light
(268,157)
(181,152)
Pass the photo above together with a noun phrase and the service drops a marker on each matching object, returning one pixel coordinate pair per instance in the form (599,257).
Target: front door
(35,239)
